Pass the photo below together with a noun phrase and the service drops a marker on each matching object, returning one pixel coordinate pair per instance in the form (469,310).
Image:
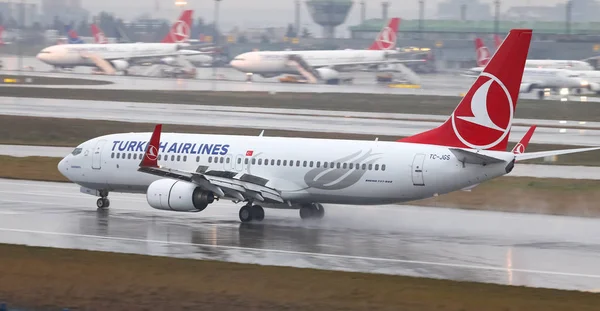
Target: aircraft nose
(62,167)
(42,56)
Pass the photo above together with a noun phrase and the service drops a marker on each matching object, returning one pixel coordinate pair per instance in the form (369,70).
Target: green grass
(51,279)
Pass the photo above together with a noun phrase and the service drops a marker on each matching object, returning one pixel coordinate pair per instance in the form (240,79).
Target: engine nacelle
(168,60)
(328,75)
(179,196)
(120,64)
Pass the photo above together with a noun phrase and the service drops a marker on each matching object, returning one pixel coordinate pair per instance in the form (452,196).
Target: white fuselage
(546,78)
(559,64)
(303,170)
(274,63)
(79,54)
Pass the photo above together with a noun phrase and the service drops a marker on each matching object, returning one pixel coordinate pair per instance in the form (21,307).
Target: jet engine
(179,196)
(329,75)
(120,65)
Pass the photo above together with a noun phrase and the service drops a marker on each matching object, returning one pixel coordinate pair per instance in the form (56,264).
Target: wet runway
(276,119)
(531,250)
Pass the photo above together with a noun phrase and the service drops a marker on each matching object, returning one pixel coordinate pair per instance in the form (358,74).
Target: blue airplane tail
(72,37)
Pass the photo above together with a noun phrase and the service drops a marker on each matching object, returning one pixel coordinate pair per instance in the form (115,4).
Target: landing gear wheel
(246,213)
(103,203)
(258,213)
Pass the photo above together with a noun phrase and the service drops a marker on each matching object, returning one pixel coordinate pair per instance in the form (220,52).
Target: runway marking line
(426,263)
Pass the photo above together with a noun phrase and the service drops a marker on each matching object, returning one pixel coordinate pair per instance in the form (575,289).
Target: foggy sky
(265,13)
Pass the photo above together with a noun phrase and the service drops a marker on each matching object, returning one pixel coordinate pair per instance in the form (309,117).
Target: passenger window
(298,163)
(142,156)
(291,162)
(197,158)
(311,164)
(129,156)
(159,156)
(284,162)
(332,164)
(338,165)
(209,159)
(357,166)
(364,167)
(272,162)
(222,159)
(239,160)
(184,158)
(325,164)
(227,160)
(172,157)
(304,164)
(259,161)
(383,167)
(344,165)
(278,162)
(135,156)
(112,155)
(266,161)
(118,155)
(318,163)
(370,167)
(376,167)
(351,165)
(178,158)
(253,161)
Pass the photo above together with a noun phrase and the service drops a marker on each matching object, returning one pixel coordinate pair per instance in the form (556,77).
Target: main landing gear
(103,202)
(312,211)
(251,212)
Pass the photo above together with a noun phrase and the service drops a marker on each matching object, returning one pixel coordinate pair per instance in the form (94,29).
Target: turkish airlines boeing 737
(187,172)
(113,57)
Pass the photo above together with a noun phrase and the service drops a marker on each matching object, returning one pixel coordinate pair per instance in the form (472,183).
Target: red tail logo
(180,31)
(480,123)
(482,53)
(483,117)
(98,35)
(386,39)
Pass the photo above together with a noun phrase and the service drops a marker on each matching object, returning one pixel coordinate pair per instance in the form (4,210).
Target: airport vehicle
(188,172)
(483,57)
(321,65)
(111,58)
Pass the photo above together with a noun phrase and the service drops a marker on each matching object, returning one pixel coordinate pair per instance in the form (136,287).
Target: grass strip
(49,278)
(22,130)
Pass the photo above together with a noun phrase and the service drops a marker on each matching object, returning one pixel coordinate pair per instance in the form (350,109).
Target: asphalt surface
(530,250)
(521,170)
(268,119)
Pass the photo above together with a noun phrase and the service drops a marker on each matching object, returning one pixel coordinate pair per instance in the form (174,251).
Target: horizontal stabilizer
(542,154)
(473,157)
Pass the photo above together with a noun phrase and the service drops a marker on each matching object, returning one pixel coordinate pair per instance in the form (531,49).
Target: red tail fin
(484,116)
(522,144)
(151,155)
(386,39)
(497,41)
(181,29)
(482,53)
(98,34)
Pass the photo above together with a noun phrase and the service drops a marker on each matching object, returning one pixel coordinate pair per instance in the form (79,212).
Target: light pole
(216,36)
(497,17)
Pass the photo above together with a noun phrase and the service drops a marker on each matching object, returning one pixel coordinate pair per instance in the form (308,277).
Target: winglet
(522,144)
(151,155)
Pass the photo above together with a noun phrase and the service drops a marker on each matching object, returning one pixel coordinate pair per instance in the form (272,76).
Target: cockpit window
(76,151)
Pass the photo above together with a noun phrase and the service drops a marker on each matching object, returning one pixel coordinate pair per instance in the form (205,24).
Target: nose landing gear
(103,202)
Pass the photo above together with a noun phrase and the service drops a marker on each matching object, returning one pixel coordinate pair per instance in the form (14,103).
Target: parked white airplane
(320,64)
(483,57)
(111,57)
(187,172)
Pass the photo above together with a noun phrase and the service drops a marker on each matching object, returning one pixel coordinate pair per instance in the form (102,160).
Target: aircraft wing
(221,183)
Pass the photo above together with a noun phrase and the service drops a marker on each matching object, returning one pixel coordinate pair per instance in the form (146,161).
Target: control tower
(329,14)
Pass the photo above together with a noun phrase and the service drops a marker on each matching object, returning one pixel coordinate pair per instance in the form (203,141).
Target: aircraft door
(96,155)
(417,170)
